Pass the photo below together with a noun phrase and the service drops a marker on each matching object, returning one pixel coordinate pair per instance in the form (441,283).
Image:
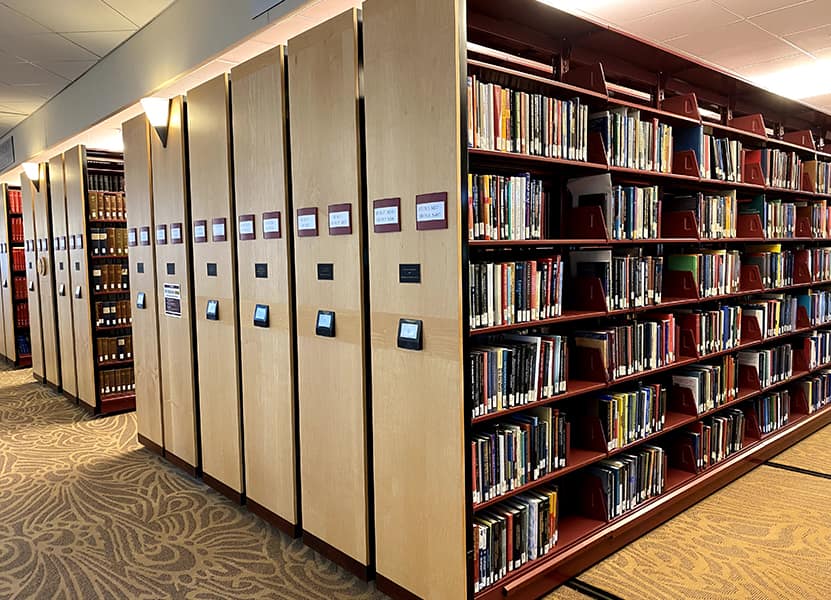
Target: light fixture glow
(802,81)
(32,171)
(158,113)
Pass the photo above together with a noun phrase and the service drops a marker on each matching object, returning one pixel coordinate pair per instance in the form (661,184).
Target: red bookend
(585,223)
(685,163)
(590,434)
(589,77)
(592,498)
(751,279)
(588,365)
(799,401)
(801,271)
(685,105)
(749,226)
(589,291)
(753,174)
(752,431)
(750,123)
(749,379)
(802,320)
(802,138)
(680,285)
(681,224)
(750,330)
(681,401)
(596,150)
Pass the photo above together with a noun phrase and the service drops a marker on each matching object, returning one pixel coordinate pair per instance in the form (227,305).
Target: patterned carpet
(86,512)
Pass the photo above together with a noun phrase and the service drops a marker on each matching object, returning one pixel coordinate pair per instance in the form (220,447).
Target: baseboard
(222,488)
(359,570)
(184,466)
(150,445)
(287,527)
(39,378)
(393,590)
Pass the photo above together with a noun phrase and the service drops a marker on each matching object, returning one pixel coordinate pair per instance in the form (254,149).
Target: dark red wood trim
(287,527)
(223,489)
(150,445)
(358,569)
(393,590)
(178,462)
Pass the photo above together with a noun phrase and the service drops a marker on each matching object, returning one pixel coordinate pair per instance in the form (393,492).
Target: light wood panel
(267,354)
(32,279)
(217,341)
(63,283)
(46,274)
(76,220)
(138,192)
(326,162)
(412,82)
(176,353)
(8,344)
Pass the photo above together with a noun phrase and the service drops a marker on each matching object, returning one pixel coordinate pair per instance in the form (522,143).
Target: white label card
(132,236)
(175,233)
(324,320)
(271,225)
(307,222)
(161,235)
(200,232)
(219,229)
(430,211)
(144,235)
(246,227)
(409,331)
(339,219)
(386,215)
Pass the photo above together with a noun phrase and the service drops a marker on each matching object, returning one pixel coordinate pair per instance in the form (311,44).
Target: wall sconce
(32,171)
(158,113)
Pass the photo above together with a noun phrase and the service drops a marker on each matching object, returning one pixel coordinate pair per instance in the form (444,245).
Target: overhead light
(158,113)
(798,82)
(32,171)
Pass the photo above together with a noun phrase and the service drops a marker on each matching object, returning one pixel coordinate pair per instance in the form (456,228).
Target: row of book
(715,213)
(113,381)
(627,480)
(16,229)
(816,346)
(514,370)
(110,277)
(109,314)
(772,365)
(105,182)
(628,279)
(517,451)
(515,292)
(715,271)
(15,201)
(108,241)
(721,158)
(772,411)
(822,180)
(712,330)
(632,143)
(629,212)
(629,416)
(713,439)
(708,386)
(780,168)
(627,349)
(18,259)
(521,529)
(506,208)
(507,120)
(19,287)
(22,343)
(21,314)
(114,348)
(816,390)
(779,219)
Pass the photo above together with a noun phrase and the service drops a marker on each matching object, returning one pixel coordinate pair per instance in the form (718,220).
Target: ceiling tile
(13,23)
(795,18)
(622,10)
(777,65)
(68,69)
(24,73)
(685,19)
(749,8)
(43,47)
(140,13)
(812,40)
(739,44)
(72,15)
(99,43)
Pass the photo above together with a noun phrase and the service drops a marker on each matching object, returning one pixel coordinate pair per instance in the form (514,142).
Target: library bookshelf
(714,138)
(13,275)
(97,245)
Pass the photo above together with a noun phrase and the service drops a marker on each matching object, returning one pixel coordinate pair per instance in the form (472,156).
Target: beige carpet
(86,512)
(812,453)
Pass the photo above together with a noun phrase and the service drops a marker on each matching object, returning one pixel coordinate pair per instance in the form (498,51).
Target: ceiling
(47,44)
(783,45)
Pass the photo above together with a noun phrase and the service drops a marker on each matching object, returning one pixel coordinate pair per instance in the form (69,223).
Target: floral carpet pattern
(87,512)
